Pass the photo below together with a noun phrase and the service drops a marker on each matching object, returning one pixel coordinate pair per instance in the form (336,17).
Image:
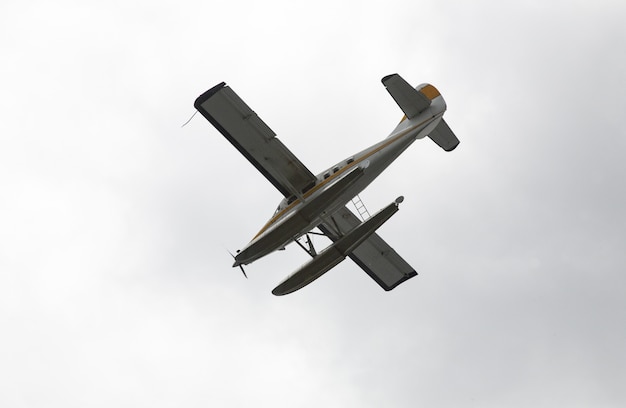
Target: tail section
(414,101)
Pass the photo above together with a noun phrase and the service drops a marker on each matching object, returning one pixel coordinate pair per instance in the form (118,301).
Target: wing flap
(232,117)
(379,260)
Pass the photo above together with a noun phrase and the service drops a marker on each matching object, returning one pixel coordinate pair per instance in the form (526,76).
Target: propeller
(242,271)
(240,265)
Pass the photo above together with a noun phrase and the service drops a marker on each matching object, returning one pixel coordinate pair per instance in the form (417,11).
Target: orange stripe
(430,92)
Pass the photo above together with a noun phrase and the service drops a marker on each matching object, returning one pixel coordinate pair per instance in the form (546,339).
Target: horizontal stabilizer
(409,99)
(444,137)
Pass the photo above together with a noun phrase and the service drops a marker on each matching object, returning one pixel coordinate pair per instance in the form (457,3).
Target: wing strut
(309,248)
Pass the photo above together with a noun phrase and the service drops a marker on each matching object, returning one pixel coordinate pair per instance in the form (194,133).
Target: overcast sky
(115,281)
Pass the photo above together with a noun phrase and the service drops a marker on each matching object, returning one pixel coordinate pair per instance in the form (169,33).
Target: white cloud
(115,283)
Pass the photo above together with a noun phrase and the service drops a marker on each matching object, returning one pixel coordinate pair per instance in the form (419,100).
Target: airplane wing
(381,262)
(230,115)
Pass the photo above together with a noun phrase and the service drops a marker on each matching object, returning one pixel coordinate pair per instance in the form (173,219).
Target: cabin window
(336,169)
(326,175)
(350,160)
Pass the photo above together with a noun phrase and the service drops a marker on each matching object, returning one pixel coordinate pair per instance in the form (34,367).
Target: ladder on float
(360,208)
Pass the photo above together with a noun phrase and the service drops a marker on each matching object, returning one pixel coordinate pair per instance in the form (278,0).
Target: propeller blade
(240,266)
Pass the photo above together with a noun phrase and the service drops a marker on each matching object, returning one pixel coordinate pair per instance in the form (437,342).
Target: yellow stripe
(327,180)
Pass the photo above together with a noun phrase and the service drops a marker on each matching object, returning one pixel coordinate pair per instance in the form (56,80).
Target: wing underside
(379,260)
(230,115)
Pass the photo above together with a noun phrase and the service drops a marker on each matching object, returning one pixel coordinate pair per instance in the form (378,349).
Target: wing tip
(395,285)
(200,99)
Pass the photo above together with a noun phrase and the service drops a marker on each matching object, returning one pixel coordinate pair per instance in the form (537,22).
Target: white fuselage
(287,224)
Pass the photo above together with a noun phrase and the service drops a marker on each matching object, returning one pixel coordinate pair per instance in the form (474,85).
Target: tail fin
(414,101)
(444,137)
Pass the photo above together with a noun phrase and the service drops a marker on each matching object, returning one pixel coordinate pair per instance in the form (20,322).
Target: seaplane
(318,204)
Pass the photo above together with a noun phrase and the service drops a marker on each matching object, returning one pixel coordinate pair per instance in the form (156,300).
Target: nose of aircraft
(237,261)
